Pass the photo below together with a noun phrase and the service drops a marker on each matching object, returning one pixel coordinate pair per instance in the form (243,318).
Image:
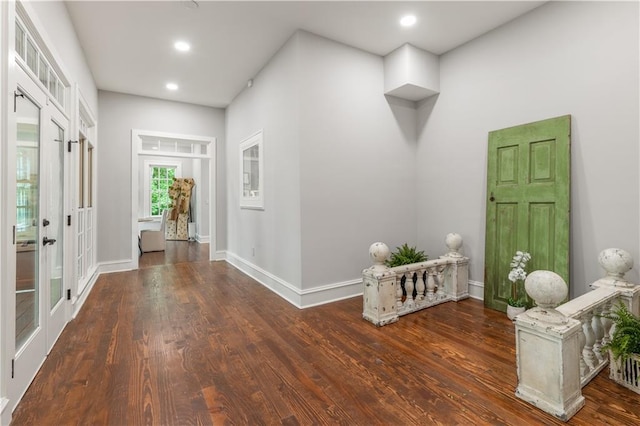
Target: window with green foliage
(161,180)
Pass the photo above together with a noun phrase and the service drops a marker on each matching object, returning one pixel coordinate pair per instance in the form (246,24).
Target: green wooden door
(528,200)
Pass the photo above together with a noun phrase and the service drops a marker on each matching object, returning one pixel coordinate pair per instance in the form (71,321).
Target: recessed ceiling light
(182,46)
(190,4)
(408,21)
(172,86)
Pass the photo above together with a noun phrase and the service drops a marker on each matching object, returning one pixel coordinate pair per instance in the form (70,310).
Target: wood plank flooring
(200,343)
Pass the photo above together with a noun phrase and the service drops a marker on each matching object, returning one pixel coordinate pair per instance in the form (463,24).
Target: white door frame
(137,151)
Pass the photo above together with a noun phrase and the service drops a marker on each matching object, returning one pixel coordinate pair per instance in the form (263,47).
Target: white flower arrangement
(518,273)
(518,264)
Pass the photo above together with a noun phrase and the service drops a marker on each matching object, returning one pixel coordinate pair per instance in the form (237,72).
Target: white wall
(119,114)
(55,19)
(269,238)
(578,58)
(357,163)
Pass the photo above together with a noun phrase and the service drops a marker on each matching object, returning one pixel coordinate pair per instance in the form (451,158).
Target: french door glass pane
(55,215)
(27,225)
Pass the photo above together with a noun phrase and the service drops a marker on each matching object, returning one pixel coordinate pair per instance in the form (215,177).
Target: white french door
(54,209)
(40,181)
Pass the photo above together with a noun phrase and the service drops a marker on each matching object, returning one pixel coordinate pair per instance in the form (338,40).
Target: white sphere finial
(379,253)
(548,289)
(453,242)
(616,262)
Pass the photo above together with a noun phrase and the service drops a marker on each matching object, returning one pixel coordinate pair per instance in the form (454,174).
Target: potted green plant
(406,255)
(624,348)
(517,303)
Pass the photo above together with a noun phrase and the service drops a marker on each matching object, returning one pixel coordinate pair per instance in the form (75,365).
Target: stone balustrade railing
(392,292)
(559,348)
(589,310)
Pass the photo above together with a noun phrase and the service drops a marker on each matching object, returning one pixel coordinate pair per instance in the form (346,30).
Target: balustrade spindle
(589,356)
(582,342)
(606,323)
(440,294)
(431,284)
(408,286)
(420,286)
(598,331)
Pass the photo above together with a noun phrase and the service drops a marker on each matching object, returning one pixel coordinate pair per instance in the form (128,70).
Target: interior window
(161,180)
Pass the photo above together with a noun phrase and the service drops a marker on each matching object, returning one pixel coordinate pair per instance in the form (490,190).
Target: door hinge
(68,294)
(16,94)
(13,365)
(69,145)
(14,235)
(69,220)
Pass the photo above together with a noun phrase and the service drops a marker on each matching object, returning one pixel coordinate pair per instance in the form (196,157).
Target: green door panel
(528,202)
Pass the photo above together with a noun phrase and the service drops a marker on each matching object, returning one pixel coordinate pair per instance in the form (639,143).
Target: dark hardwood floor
(175,252)
(200,343)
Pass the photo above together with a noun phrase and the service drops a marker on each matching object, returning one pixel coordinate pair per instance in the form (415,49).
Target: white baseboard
(476,290)
(299,298)
(5,412)
(267,279)
(116,266)
(80,299)
(219,255)
(203,239)
(331,293)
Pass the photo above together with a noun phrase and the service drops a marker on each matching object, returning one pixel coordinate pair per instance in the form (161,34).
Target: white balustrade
(393,292)
(559,349)
(588,309)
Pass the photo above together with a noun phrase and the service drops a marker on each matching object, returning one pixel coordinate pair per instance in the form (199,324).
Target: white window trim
(148,164)
(256,203)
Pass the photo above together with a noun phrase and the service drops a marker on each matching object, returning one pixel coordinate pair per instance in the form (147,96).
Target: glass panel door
(54,225)
(27,226)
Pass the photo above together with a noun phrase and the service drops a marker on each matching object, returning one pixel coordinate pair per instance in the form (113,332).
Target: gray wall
(268,238)
(578,58)
(357,161)
(339,163)
(119,114)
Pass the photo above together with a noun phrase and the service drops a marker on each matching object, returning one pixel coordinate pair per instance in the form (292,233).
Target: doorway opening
(191,155)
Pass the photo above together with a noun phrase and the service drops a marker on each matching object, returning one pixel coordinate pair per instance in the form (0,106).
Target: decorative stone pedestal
(548,358)
(379,304)
(458,274)
(548,349)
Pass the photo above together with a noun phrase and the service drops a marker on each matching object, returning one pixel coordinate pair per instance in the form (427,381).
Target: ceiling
(129,44)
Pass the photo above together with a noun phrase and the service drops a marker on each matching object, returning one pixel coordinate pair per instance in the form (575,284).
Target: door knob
(492,198)
(46,241)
